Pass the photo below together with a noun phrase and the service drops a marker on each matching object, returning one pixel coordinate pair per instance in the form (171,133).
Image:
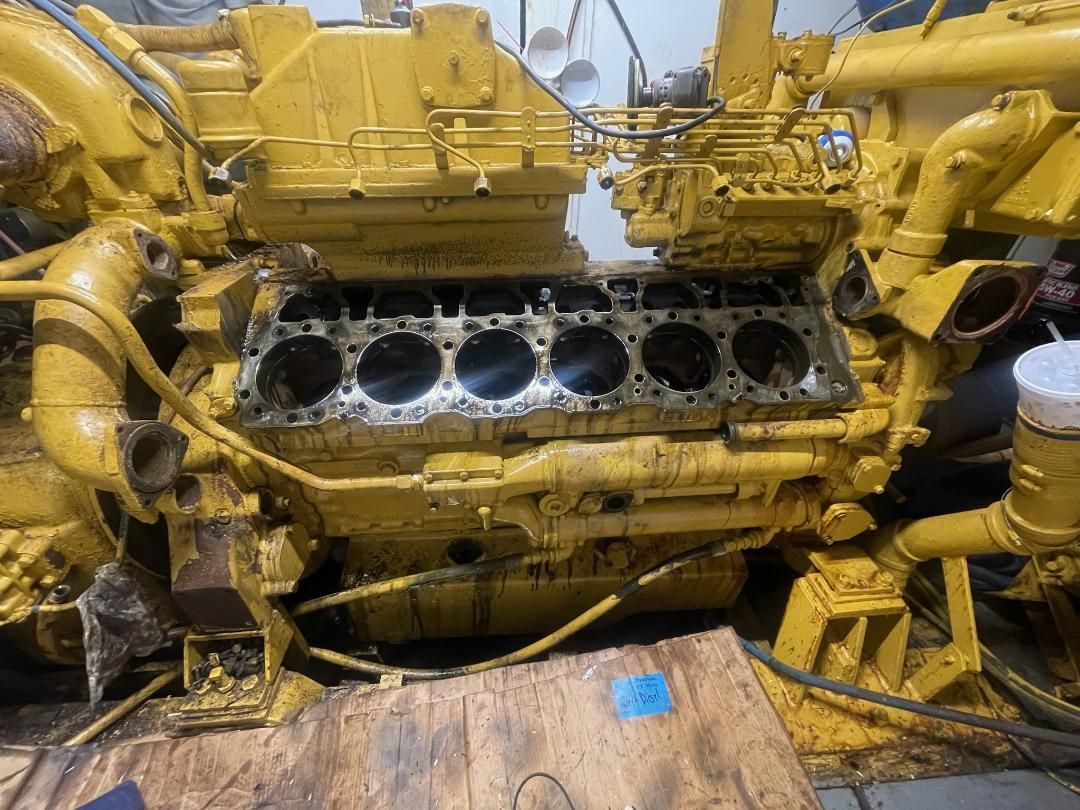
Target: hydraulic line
(28,262)
(124,707)
(398,584)
(754,538)
(750,539)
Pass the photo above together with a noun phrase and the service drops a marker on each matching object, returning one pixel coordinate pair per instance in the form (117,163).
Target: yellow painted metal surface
(365,155)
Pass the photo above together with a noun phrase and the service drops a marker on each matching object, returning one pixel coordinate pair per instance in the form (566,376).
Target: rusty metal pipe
(23,154)
(846,427)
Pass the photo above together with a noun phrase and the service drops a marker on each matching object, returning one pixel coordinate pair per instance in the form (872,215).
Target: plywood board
(712,739)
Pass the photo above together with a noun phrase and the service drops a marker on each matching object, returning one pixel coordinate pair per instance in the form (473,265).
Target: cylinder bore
(495,364)
(770,354)
(299,372)
(988,306)
(398,368)
(589,361)
(680,357)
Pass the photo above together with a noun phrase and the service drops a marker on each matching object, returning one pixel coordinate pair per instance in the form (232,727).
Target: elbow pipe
(959,165)
(1040,514)
(77,381)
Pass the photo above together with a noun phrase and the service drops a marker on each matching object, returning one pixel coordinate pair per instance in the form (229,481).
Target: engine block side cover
(393,353)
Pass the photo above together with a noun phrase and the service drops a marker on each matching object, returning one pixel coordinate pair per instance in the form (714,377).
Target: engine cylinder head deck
(391,353)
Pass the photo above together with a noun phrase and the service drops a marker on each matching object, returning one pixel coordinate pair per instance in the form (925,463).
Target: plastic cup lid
(581,82)
(547,52)
(1049,371)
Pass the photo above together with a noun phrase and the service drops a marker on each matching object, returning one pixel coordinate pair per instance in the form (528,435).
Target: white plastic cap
(547,52)
(581,82)
(1049,381)
(845,147)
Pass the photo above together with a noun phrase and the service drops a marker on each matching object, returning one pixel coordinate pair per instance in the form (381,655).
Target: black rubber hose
(629,37)
(1046,735)
(522,27)
(608,132)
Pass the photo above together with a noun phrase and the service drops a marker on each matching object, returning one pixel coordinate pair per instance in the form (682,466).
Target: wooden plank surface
(469,743)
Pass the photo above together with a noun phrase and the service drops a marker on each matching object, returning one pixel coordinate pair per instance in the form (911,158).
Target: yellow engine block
(324,315)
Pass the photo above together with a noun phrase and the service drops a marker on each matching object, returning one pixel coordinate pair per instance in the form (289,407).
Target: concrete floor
(988,791)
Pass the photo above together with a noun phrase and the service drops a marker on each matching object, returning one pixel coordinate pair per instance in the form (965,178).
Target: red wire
(573,19)
(507,32)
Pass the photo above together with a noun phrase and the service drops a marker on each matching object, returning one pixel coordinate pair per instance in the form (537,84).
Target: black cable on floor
(1006,727)
(541,775)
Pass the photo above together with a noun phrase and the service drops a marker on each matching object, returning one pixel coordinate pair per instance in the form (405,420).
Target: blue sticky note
(640,695)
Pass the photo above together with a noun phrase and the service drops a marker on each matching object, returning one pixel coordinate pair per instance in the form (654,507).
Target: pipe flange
(151,455)
(156,254)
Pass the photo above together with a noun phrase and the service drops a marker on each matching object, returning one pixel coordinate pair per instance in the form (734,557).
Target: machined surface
(396,353)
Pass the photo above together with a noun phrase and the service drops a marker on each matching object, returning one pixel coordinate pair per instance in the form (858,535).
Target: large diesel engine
(319,345)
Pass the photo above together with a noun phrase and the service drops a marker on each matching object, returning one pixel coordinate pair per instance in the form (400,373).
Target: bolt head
(417,17)
(426,93)
(482,17)
(486,96)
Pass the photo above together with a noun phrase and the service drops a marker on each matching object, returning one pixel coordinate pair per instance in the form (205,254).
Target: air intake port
(495,364)
(398,368)
(299,372)
(770,354)
(683,358)
(589,361)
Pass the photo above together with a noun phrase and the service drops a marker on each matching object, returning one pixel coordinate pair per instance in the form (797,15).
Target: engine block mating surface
(395,353)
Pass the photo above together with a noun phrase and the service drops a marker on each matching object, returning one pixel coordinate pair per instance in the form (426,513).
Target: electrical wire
(523,13)
(1046,735)
(842,17)
(125,73)
(629,37)
(854,40)
(718,105)
(541,775)
(573,21)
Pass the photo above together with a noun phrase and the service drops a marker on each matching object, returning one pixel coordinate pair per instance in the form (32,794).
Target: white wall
(670,34)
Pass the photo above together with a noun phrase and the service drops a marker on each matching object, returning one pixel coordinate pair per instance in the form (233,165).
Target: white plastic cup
(547,52)
(1049,382)
(581,82)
